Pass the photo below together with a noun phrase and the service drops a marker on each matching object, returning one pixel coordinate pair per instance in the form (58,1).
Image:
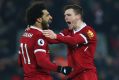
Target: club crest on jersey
(41,42)
(90,34)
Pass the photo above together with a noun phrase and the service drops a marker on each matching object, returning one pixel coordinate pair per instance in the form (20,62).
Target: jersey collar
(81,27)
(33,27)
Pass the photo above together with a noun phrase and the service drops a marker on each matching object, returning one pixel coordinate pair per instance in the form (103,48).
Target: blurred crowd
(103,15)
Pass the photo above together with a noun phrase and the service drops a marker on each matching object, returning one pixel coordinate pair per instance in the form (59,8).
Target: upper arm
(91,35)
(83,37)
(40,45)
(41,54)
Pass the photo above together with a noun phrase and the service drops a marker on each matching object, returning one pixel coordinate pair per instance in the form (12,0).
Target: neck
(78,24)
(38,25)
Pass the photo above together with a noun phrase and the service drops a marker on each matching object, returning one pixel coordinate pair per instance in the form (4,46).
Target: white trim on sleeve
(61,34)
(39,50)
(19,52)
(86,41)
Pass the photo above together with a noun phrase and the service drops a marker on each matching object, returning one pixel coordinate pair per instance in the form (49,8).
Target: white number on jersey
(24,51)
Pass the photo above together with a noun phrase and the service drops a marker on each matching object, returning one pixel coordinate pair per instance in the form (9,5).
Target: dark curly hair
(34,11)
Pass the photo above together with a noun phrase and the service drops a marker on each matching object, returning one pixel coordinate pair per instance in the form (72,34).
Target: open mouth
(68,22)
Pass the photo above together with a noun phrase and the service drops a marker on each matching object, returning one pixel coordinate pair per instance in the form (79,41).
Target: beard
(45,24)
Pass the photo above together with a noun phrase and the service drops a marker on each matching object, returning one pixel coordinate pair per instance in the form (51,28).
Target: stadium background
(103,15)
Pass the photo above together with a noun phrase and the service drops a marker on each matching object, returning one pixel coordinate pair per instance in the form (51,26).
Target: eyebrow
(67,14)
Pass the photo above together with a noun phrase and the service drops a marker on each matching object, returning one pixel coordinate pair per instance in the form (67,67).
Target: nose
(66,17)
(50,17)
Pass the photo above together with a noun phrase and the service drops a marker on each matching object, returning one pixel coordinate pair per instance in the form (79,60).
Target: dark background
(103,15)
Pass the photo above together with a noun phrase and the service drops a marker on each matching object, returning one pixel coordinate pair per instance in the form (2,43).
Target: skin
(44,20)
(72,19)
(46,16)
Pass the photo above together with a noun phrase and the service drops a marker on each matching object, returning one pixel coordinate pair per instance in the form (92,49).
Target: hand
(64,70)
(50,34)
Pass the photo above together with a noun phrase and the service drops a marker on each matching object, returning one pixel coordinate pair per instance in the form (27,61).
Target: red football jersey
(81,48)
(34,54)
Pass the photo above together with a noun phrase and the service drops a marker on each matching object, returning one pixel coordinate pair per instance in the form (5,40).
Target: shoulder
(38,37)
(36,32)
(33,34)
(89,32)
(89,29)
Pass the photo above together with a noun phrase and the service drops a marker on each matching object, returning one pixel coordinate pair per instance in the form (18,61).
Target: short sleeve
(40,44)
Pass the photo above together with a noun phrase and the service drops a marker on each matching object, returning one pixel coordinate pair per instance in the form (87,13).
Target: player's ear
(39,20)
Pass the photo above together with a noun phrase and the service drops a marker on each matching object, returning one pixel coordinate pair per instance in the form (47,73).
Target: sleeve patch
(90,34)
(41,42)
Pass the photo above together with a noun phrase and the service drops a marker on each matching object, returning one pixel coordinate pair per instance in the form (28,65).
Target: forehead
(69,11)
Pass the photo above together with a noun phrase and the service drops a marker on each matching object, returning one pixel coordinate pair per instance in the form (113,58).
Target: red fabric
(34,54)
(76,39)
(52,41)
(89,75)
(44,62)
(39,77)
(80,55)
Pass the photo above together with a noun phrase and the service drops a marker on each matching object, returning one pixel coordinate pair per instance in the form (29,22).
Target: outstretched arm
(49,39)
(77,39)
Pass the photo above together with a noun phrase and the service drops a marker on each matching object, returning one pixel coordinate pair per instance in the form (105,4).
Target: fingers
(49,33)
(46,33)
